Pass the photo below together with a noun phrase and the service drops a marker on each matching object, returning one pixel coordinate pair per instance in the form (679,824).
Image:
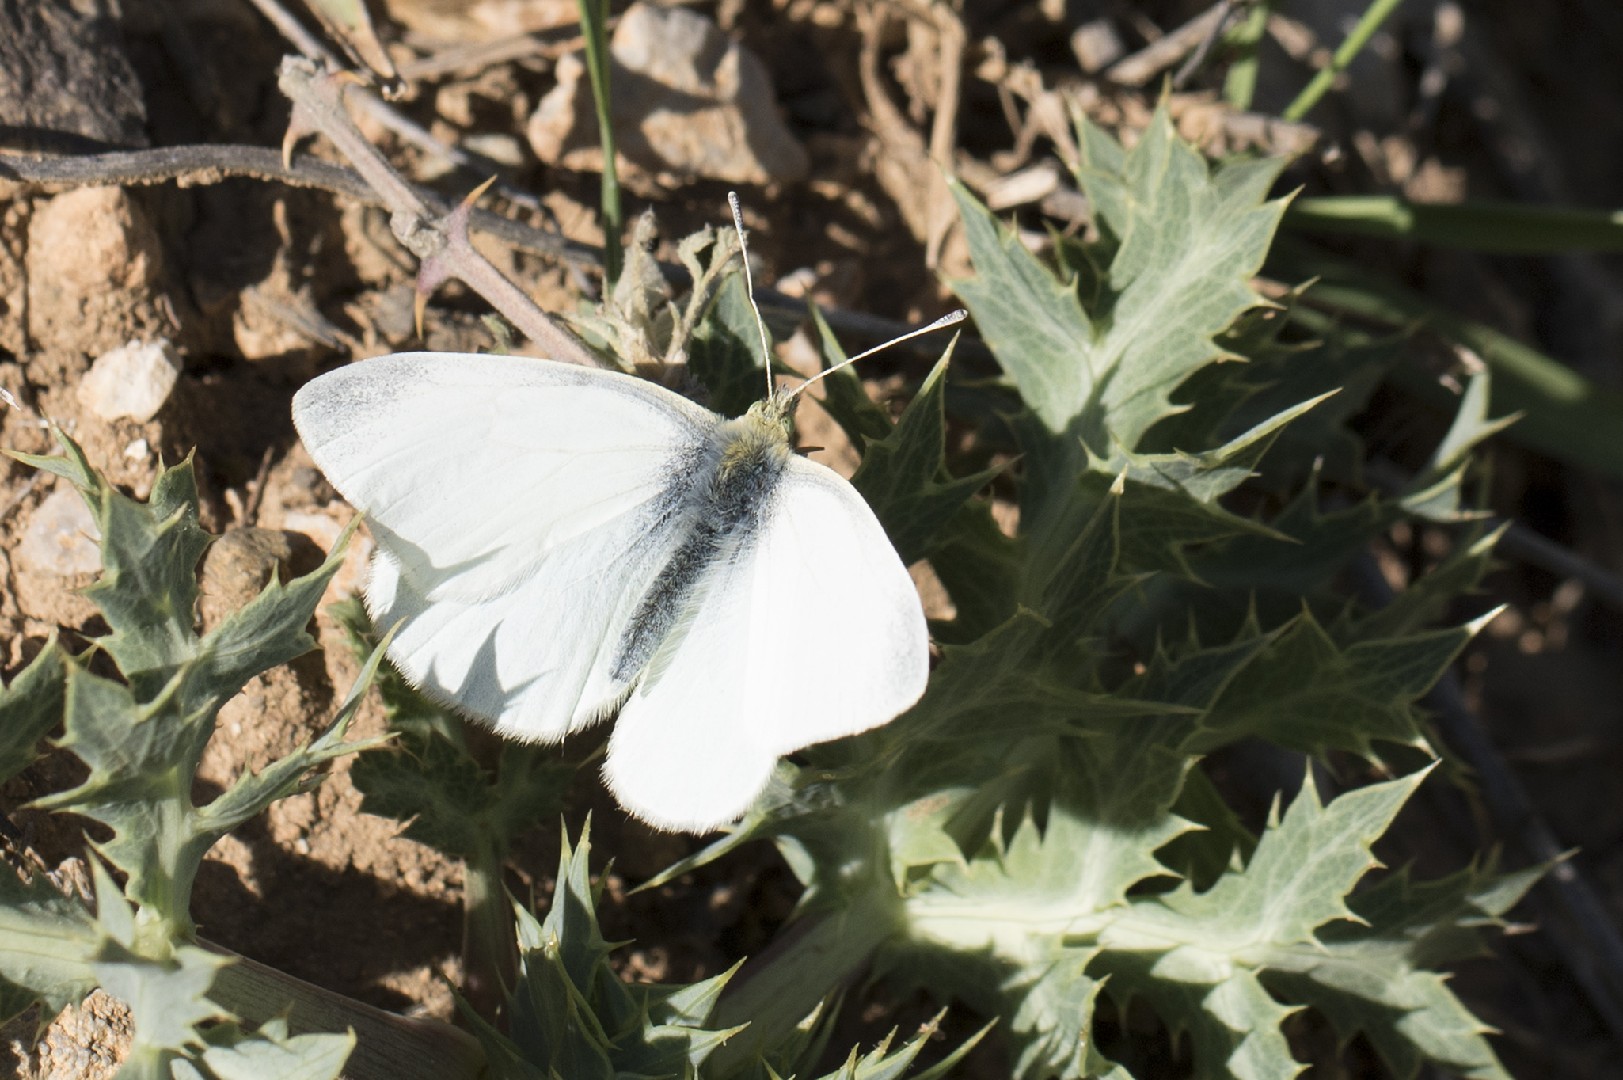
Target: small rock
(242,562)
(93,259)
(687,100)
(1097,45)
(61,537)
(134,381)
(66,82)
(91,239)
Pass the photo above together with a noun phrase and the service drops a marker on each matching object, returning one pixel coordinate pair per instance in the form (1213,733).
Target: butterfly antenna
(950,319)
(749,288)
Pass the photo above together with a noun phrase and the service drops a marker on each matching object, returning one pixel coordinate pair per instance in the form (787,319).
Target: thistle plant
(140,736)
(1045,841)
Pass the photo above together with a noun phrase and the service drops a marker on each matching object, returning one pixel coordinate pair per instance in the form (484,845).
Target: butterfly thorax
(729,486)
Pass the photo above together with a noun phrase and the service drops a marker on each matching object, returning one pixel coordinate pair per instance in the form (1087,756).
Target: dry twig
(440,241)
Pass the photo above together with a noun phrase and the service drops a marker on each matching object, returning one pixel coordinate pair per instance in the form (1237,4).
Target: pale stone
(61,537)
(131,381)
(688,101)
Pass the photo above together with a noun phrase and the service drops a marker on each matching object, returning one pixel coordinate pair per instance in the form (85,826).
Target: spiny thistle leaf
(1030,904)
(427,778)
(234,1054)
(142,752)
(573,1016)
(141,740)
(1298,878)
(29,708)
(1435,492)
(1282,363)
(1372,977)
(903,475)
(148,587)
(1199,957)
(1182,243)
(883,1063)
(167,994)
(47,945)
(1111,814)
(1359,694)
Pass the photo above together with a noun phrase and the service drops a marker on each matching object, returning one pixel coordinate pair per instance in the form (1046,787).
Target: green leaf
(904,475)
(1372,977)
(572,1016)
(1358,694)
(1199,957)
(724,353)
(1299,876)
(167,995)
(148,587)
(233,1054)
(883,1063)
(1435,493)
(1031,320)
(29,708)
(1182,243)
(1098,842)
(47,944)
(1031,903)
(142,740)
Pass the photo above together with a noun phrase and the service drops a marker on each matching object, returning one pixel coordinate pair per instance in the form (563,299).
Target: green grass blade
(594,17)
(1373,17)
(1240,85)
(1563,414)
(1497,227)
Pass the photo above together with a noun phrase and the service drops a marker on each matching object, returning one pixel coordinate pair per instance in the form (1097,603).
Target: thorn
(290,139)
(419,304)
(473,196)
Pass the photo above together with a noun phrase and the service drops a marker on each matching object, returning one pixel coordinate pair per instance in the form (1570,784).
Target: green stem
(594,17)
(489,947)
(1476,225)
(387,1047)
(1373,17)
(779,988)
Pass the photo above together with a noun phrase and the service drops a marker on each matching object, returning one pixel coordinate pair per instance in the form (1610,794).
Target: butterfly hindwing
(811,631)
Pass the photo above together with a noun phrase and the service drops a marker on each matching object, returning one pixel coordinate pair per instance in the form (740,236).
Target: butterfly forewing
(472,468)
(522,508)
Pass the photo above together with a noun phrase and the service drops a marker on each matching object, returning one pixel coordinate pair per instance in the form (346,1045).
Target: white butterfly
(557,542)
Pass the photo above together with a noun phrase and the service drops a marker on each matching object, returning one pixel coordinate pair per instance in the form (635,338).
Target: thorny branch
(440,241)
(214,162)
